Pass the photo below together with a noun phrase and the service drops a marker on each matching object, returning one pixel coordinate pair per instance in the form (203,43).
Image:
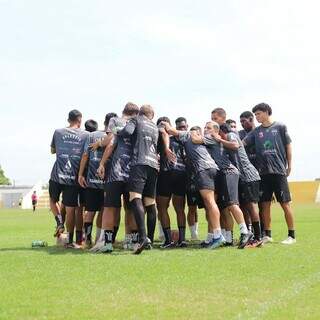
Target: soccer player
(121,149)
(67,144)
(249,182)
(90,181)
(144,172)
(172,182)
(227,179)
(34,199)
(204,169)
(232,124)
(274,155)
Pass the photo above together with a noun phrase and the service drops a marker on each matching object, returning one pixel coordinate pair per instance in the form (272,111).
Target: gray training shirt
(220,155)
(197,154)
(69,146)
(145,136)
(248,173)
(251,151)
(270,144)
(121,158)
(92,179)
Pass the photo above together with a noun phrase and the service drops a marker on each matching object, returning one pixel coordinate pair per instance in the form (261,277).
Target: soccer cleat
(107,248)
(88,244)
(73,246)
(169,245)
(216,243)
(289,241)
(62,240)
(182,244)
(59,230)
(97,246)
(245,238)
(228,244)
(254,244)
(267,239)
(139,247)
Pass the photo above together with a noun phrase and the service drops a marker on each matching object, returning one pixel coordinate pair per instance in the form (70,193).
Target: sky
(182,57)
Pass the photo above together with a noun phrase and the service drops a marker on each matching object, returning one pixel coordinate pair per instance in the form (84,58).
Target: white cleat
(62,240)
(267,239)
(289,241)
(97,247)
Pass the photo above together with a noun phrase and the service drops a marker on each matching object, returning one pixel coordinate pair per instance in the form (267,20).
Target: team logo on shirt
(268,145)
(68,166)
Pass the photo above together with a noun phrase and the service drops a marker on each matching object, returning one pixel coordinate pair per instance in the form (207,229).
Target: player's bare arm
(83,163)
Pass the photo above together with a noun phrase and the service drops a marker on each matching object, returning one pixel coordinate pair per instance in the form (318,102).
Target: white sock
(217,233)
(98,233)
(228,236)
(243,228)
(209,237)
(223,231)
(161,234)
(193,231)
(128,237)
(197,226)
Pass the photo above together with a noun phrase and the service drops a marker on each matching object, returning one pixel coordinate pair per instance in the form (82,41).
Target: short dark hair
(146,110)
(195,128)
(91,125)
(74,115)
(246,114)
(163,119)
(264,107)
(225,128)
(229,121)
(108,117)
(220,111)
(180,119)
(131,109)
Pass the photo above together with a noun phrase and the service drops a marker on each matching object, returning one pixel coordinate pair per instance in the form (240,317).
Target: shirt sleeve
(129,129)
(209,141)
(183,136)
(53,144)
(87,144)
(249,139)
(285,135)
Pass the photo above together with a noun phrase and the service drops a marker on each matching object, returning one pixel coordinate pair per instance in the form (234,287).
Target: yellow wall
(304,191)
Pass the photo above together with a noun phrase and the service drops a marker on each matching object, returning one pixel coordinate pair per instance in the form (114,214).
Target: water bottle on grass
(39,244)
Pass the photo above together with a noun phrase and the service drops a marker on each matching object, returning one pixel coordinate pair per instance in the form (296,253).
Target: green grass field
(274,282)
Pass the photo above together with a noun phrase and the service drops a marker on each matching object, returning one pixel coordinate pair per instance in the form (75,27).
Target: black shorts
(82,199)
(171,183)
(93,199)
(70,196)
(143,180)
(274,184)
(227,190)
(249,192)
(55,190)
(34,202)
(205,180)
(113,192)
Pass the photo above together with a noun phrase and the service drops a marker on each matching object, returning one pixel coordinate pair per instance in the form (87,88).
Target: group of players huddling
(144,165)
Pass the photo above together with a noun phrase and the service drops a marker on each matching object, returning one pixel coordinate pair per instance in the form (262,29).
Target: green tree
(3,179)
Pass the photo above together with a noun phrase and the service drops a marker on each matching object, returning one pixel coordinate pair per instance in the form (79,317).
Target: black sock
(78,236)
(292,234)
(88,230)
(70,237)
(135,236)
(268,233)
(262,228)
(57,220)
(257,230)
(182,234)
(151,220)
(138,211)
(167,235)
(115,232)
(108,236)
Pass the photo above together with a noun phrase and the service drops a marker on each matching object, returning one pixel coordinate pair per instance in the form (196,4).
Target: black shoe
(139,247)
(168,245)
(204,244)
(245,239)
(228,244)
(182,244)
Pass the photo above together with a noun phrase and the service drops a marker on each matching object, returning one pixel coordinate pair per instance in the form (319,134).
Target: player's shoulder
(279,124)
